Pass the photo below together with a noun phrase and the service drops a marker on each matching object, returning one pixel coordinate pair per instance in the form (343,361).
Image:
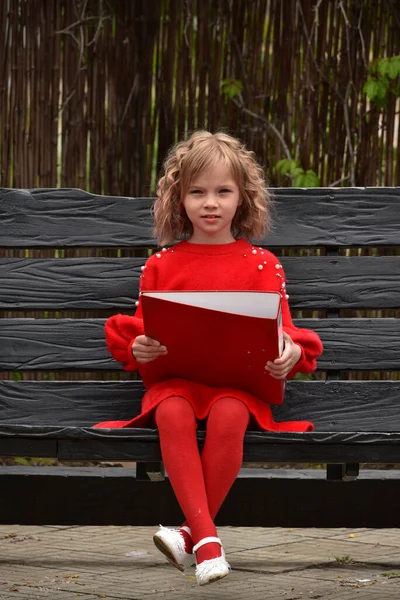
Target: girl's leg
(222,455)
(177,427)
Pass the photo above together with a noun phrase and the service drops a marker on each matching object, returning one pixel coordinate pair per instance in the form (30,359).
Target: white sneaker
(211,570)
(171,543)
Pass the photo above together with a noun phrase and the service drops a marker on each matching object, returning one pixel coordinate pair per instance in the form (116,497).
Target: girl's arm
(307,340)
(122,330)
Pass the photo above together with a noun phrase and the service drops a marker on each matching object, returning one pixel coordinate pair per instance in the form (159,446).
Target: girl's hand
(145,349)
(280,367)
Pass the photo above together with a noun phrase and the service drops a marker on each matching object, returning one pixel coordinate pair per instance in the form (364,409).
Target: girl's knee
(175,413)
(229,416)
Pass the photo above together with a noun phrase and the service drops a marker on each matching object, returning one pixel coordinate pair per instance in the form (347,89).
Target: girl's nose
(210,200)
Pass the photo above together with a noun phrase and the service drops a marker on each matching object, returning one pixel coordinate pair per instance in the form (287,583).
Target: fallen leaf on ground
(137,553)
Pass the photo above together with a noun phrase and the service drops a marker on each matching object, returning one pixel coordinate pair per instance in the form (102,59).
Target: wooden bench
(356,421)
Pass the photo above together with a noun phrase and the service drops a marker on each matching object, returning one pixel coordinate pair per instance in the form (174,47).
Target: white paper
(252,304)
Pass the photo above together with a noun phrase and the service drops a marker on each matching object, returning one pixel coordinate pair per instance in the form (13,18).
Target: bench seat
(351,301)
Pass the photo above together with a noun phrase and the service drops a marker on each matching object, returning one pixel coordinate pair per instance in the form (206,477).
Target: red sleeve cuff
(132,364)
(120,332)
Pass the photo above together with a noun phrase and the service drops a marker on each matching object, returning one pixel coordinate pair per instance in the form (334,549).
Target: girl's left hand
(281,367)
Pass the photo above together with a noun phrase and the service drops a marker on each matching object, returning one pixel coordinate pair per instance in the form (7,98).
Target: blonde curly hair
(185,161)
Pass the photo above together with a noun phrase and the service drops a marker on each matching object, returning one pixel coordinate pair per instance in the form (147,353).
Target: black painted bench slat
(78,344)
(315,282)
(308,218)
(356,421)
(334,406)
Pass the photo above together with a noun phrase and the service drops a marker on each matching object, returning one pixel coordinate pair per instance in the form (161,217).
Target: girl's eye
(225,191)
(195,191)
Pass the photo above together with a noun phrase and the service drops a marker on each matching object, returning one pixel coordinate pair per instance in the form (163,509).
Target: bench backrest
(321,221)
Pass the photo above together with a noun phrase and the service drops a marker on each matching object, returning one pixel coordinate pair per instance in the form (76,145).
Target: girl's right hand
(145,349)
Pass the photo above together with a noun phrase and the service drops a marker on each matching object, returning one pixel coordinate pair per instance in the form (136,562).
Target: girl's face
(210,203)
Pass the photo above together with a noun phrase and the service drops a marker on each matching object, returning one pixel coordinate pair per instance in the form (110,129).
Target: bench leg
(150,471)
(342,472)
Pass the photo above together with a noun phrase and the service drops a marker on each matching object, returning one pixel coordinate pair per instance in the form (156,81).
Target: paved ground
(62,563)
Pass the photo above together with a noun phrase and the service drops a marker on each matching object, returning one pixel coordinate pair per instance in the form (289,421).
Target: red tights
(202,482)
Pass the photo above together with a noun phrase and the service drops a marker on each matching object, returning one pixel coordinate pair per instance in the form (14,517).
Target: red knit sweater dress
(237,266)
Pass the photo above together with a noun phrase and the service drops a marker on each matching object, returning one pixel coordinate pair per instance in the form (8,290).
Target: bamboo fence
(94,92)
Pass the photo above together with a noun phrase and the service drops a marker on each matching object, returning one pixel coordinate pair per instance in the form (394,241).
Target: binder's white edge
(253,304)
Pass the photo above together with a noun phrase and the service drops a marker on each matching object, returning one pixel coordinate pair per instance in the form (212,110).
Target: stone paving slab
(121,563)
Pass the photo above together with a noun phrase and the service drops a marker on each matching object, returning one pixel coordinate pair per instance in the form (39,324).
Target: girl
(213,194)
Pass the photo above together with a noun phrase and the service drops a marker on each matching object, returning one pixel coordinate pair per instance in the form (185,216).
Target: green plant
(300,177)
(231,87)
(383,79)
(344,560)
(33,462)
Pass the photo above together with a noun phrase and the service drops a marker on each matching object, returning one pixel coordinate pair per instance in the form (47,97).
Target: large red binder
(221,339)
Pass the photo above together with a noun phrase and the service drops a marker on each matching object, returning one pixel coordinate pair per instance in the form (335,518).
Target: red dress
(232,267)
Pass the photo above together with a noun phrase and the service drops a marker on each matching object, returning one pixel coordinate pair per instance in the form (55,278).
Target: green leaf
(280,163)
(381,102)
(298,181)
(307,179)
(383,86)
(371,88)
(377,90)
(389,66)
(296,171)
(311,179)
(382,66)
(231,87)
(286,165)
(394,67)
